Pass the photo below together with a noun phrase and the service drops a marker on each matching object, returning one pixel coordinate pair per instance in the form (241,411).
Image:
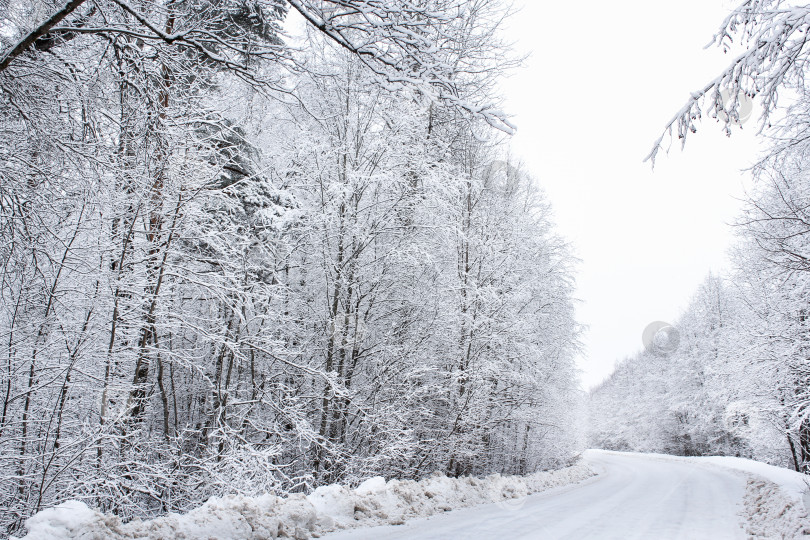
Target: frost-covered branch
(775,37)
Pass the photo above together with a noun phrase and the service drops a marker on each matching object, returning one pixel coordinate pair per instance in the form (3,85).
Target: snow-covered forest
(236,257)
(737,382)
(275,262)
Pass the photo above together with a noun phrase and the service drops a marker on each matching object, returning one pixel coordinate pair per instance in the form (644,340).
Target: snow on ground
(793,484)
(634,497)
(776,503)
(328,508)
(776,500)
(771,513)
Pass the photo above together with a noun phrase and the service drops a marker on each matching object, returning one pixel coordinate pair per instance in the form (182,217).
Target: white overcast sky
(602,81)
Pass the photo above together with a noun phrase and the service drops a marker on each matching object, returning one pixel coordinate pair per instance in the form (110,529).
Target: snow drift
(328,508)
(776,499)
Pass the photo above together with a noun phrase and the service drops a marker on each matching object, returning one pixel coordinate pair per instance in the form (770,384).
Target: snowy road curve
(634,497)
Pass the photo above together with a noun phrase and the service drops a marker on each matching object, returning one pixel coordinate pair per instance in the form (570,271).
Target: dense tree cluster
(738,382)
(689,401)
(228,263)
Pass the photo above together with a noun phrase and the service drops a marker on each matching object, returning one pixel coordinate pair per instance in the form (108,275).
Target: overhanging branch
(25,43)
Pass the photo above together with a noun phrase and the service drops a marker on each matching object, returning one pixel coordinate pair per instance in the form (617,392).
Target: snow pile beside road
(776,499)
(771,513)
(794,484)
(221,517)
(328,508)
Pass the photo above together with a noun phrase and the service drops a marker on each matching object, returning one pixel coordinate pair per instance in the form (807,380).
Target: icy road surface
(634,496)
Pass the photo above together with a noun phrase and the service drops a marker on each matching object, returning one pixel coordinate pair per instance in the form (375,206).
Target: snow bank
(795,485)
(328,508)
(771,513)
(776,499)
(63,521)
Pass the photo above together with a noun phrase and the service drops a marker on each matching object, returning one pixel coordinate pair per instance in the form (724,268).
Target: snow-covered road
(634,496)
